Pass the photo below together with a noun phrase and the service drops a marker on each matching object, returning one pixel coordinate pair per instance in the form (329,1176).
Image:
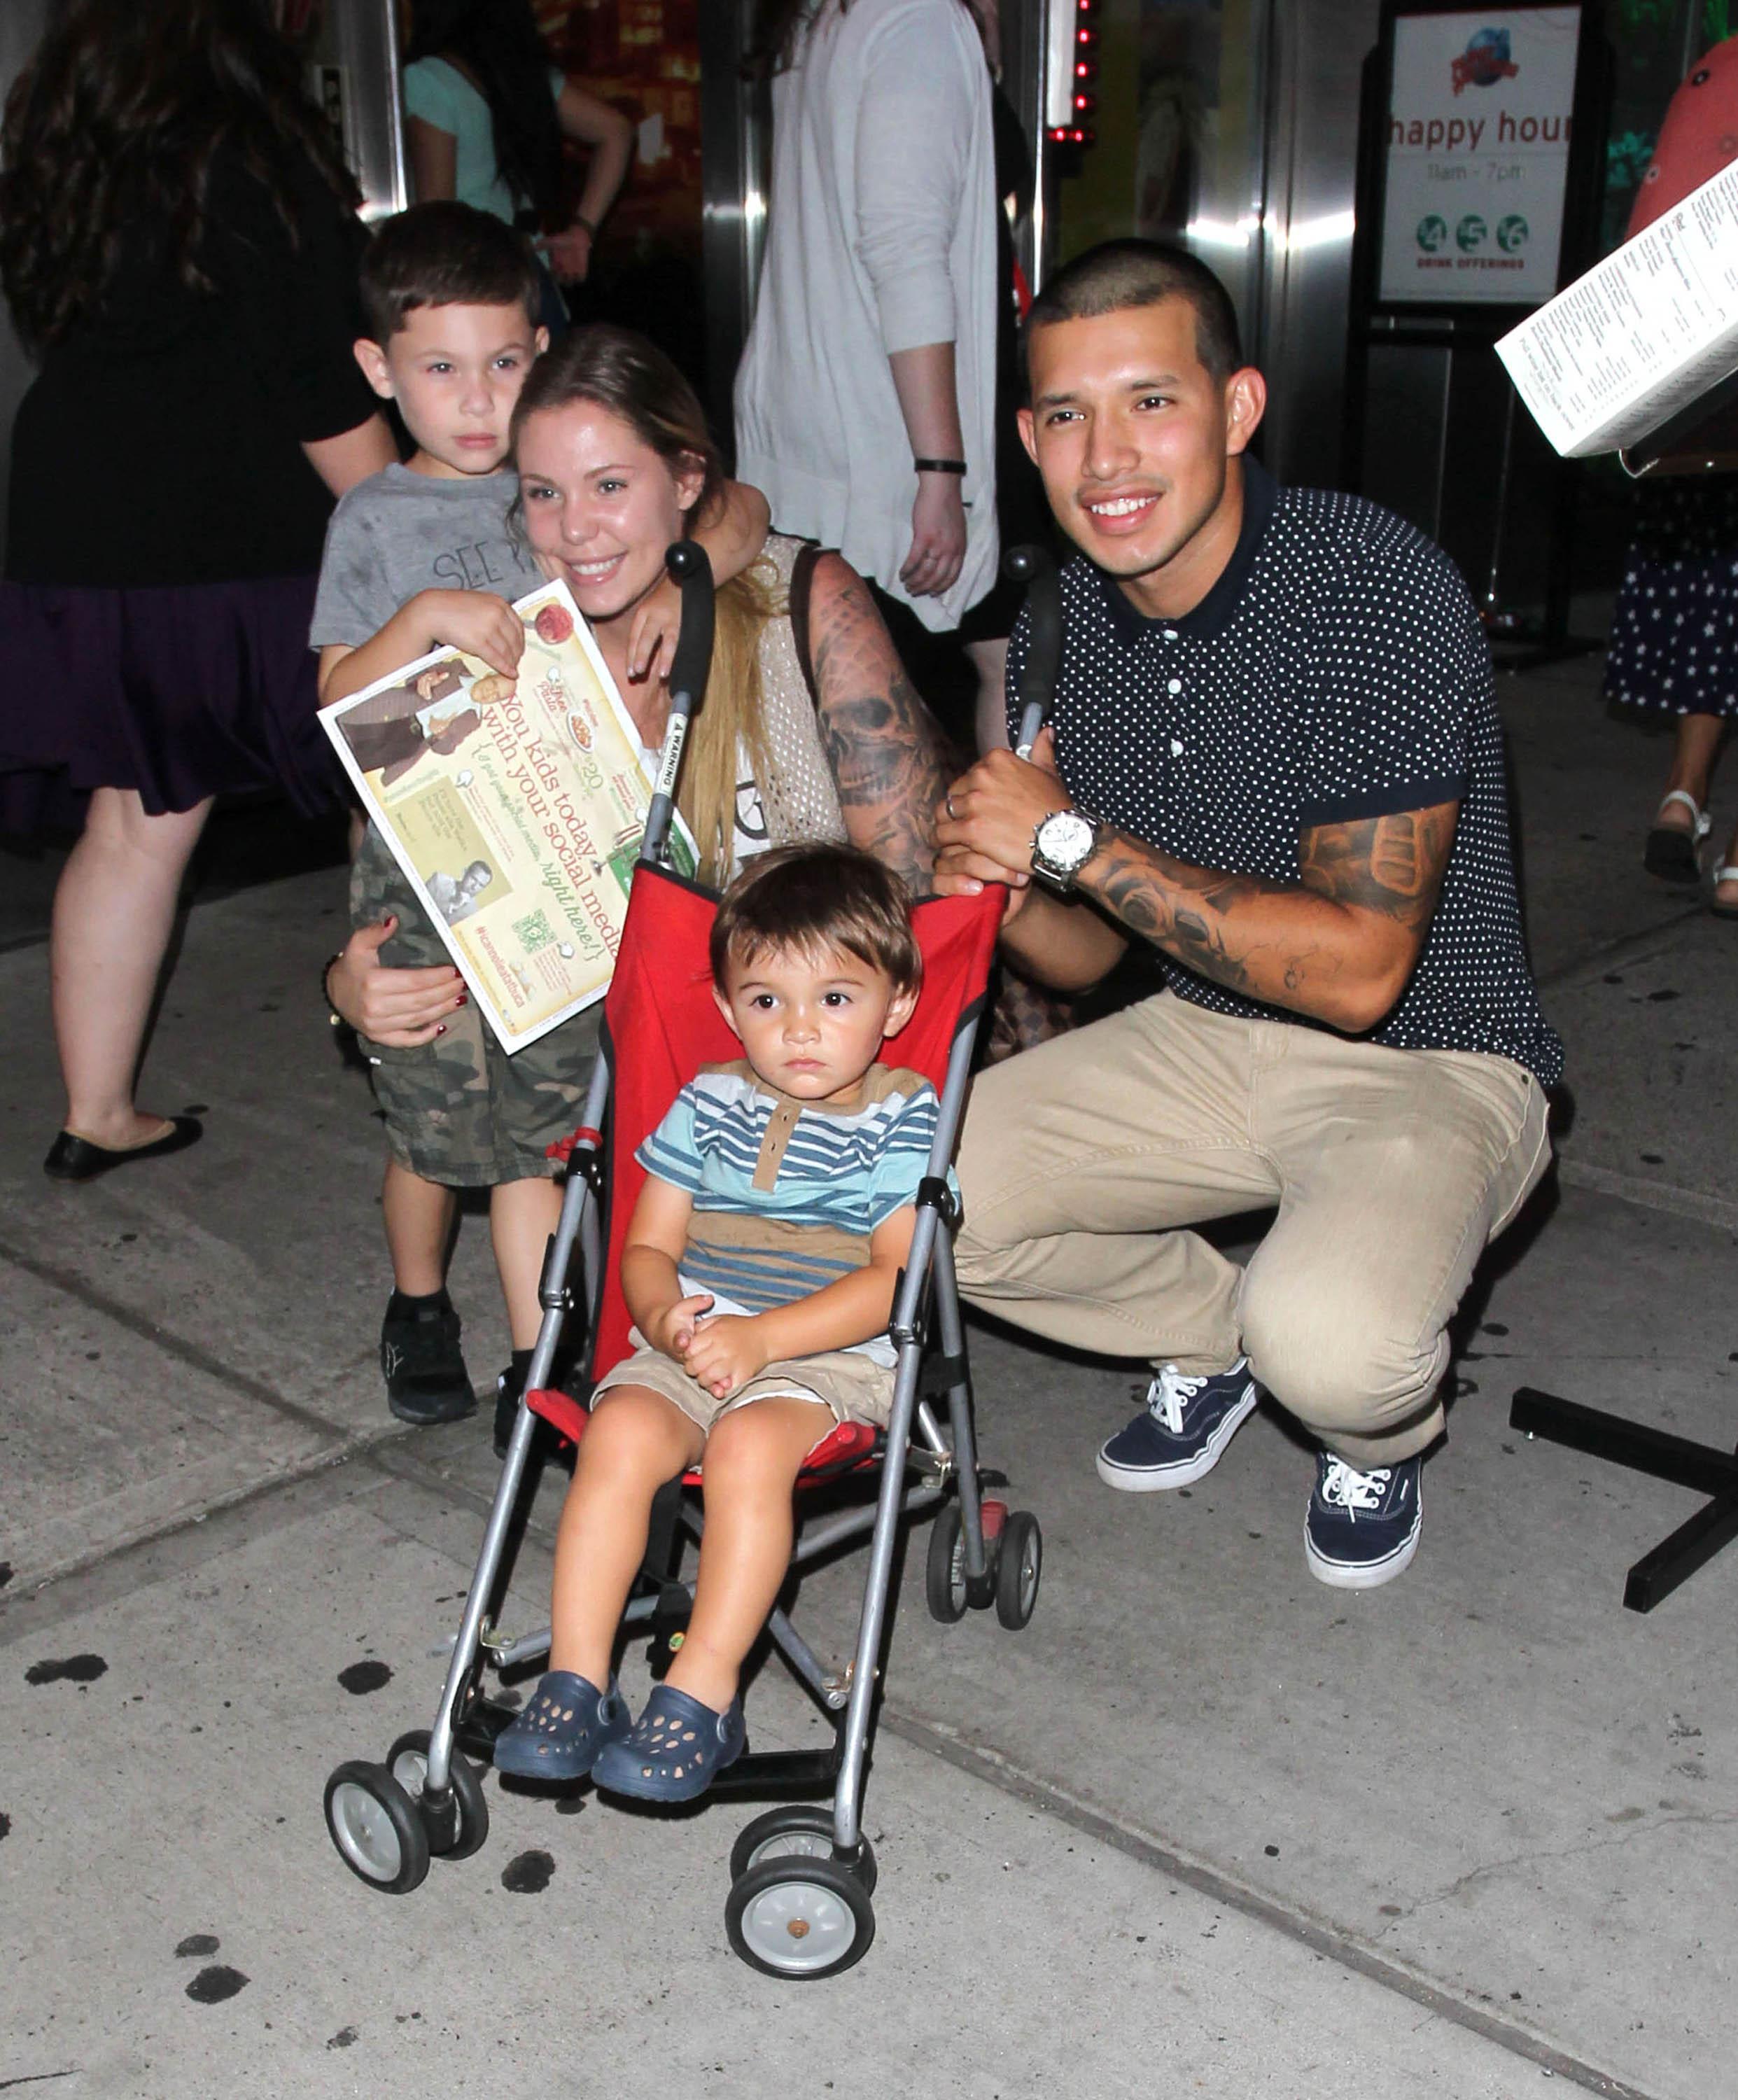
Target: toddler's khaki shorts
(853,1386)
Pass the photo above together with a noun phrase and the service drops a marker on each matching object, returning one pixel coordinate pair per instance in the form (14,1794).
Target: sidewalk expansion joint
(1327,1940)
(193,1354)
(74,1586)
(1627,948)
(1647,1193)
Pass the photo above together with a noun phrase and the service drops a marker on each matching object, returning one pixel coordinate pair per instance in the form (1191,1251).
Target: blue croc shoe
(564,1725)
(1362,1528)
(675,1750)
(1180,1434)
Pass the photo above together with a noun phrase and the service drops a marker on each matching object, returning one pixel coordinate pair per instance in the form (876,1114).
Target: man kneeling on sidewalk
(1276,759)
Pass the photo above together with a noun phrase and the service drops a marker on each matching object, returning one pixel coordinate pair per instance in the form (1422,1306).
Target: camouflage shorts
(459,1111)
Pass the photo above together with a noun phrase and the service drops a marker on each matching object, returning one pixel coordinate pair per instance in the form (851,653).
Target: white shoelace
(1347,1488)
(1165,1396)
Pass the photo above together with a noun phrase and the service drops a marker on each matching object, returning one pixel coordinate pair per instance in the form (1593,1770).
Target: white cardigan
(881,238)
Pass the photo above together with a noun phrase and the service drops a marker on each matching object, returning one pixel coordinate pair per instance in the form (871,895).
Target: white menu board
(1477,157)
(1621,350)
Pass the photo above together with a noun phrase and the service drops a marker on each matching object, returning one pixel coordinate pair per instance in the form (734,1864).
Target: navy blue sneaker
(1362,1528)
(1179,1434)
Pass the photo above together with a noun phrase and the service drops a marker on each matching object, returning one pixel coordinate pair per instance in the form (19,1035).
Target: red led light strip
(1083,101)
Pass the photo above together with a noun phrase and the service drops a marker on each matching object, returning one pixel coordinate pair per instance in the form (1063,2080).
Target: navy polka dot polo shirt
(1336,670)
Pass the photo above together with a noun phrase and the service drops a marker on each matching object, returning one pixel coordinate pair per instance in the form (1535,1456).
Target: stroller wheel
(375,1828)
(944,1575)
(467,1820)
(1018,1569)
(797,1831)
(799,1918)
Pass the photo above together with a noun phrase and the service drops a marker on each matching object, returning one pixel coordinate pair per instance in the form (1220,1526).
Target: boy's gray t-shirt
(398,533)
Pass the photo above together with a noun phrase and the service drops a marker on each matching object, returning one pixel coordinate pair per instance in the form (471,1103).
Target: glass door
(1181,152)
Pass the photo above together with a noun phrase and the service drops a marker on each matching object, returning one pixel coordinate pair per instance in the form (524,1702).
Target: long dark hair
(776,25)
(497,43)
(112,127)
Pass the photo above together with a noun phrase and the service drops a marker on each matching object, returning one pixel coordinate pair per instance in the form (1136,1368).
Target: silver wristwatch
(1062,844)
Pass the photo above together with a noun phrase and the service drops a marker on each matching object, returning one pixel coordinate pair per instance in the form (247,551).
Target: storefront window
(1654,43)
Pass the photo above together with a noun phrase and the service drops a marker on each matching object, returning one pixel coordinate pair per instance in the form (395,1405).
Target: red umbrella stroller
(801,1876)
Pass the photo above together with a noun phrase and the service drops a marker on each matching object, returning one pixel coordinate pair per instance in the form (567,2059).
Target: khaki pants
(1082,1161)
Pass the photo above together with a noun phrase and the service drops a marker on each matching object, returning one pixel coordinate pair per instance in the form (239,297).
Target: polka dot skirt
(1673,644)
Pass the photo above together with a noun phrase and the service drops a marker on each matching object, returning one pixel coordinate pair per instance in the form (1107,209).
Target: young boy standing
(760,1268)
(421,556)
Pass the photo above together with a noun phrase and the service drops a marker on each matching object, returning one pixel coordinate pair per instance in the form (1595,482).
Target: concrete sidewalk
(1203,1827)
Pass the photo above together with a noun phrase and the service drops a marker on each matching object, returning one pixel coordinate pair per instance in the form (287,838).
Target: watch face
(1066,839)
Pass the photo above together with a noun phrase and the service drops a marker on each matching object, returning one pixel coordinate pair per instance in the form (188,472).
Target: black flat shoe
(73,1158)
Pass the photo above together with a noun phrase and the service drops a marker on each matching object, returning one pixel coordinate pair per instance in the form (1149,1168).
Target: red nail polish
(442,1030)
(463,999)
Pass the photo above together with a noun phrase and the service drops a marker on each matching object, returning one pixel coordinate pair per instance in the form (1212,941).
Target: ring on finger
(951,811)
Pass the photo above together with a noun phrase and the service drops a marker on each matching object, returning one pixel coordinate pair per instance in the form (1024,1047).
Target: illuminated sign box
(1476,157)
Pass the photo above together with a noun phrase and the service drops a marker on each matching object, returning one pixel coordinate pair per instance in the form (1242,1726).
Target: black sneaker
(1181,1433)
(427,1381)
(1362,1528)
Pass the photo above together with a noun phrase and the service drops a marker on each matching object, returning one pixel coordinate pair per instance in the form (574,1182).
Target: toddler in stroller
(815,1279)
(760,1268)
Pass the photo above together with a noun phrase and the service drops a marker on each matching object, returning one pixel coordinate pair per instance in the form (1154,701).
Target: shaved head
(1120,274)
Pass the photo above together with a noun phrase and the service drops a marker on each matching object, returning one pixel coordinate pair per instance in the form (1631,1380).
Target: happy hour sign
(1477,155)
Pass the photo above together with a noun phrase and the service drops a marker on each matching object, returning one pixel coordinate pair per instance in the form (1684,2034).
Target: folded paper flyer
(1622,350)
(515,806)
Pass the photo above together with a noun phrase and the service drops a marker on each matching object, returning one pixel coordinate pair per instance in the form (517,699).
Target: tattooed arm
(881,744)
(1338,944)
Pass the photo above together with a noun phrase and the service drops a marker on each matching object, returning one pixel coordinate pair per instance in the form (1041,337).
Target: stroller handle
(692,573)
(1034,567)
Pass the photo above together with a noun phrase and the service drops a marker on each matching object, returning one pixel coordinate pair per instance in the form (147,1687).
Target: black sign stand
(1701,1467)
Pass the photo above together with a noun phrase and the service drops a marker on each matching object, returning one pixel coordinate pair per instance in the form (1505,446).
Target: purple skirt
(179,692)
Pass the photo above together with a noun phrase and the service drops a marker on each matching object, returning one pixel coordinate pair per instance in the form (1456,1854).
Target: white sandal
(1729,873)
(1673,853)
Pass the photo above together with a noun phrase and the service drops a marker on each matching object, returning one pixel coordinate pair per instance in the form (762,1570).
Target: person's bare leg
(114,910)
(1693,754)
(522,1216)
(753,1456)
(635,1441)
(419,1217)
(990,660)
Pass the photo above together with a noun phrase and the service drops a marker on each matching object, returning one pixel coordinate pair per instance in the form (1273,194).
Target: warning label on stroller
(515,805)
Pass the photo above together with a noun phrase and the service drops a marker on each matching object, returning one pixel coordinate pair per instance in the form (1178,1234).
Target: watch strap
(1061,880)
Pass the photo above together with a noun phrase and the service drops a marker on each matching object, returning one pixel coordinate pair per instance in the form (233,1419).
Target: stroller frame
(797,1874)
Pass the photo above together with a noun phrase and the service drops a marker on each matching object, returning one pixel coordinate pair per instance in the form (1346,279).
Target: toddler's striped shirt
(786,1193)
